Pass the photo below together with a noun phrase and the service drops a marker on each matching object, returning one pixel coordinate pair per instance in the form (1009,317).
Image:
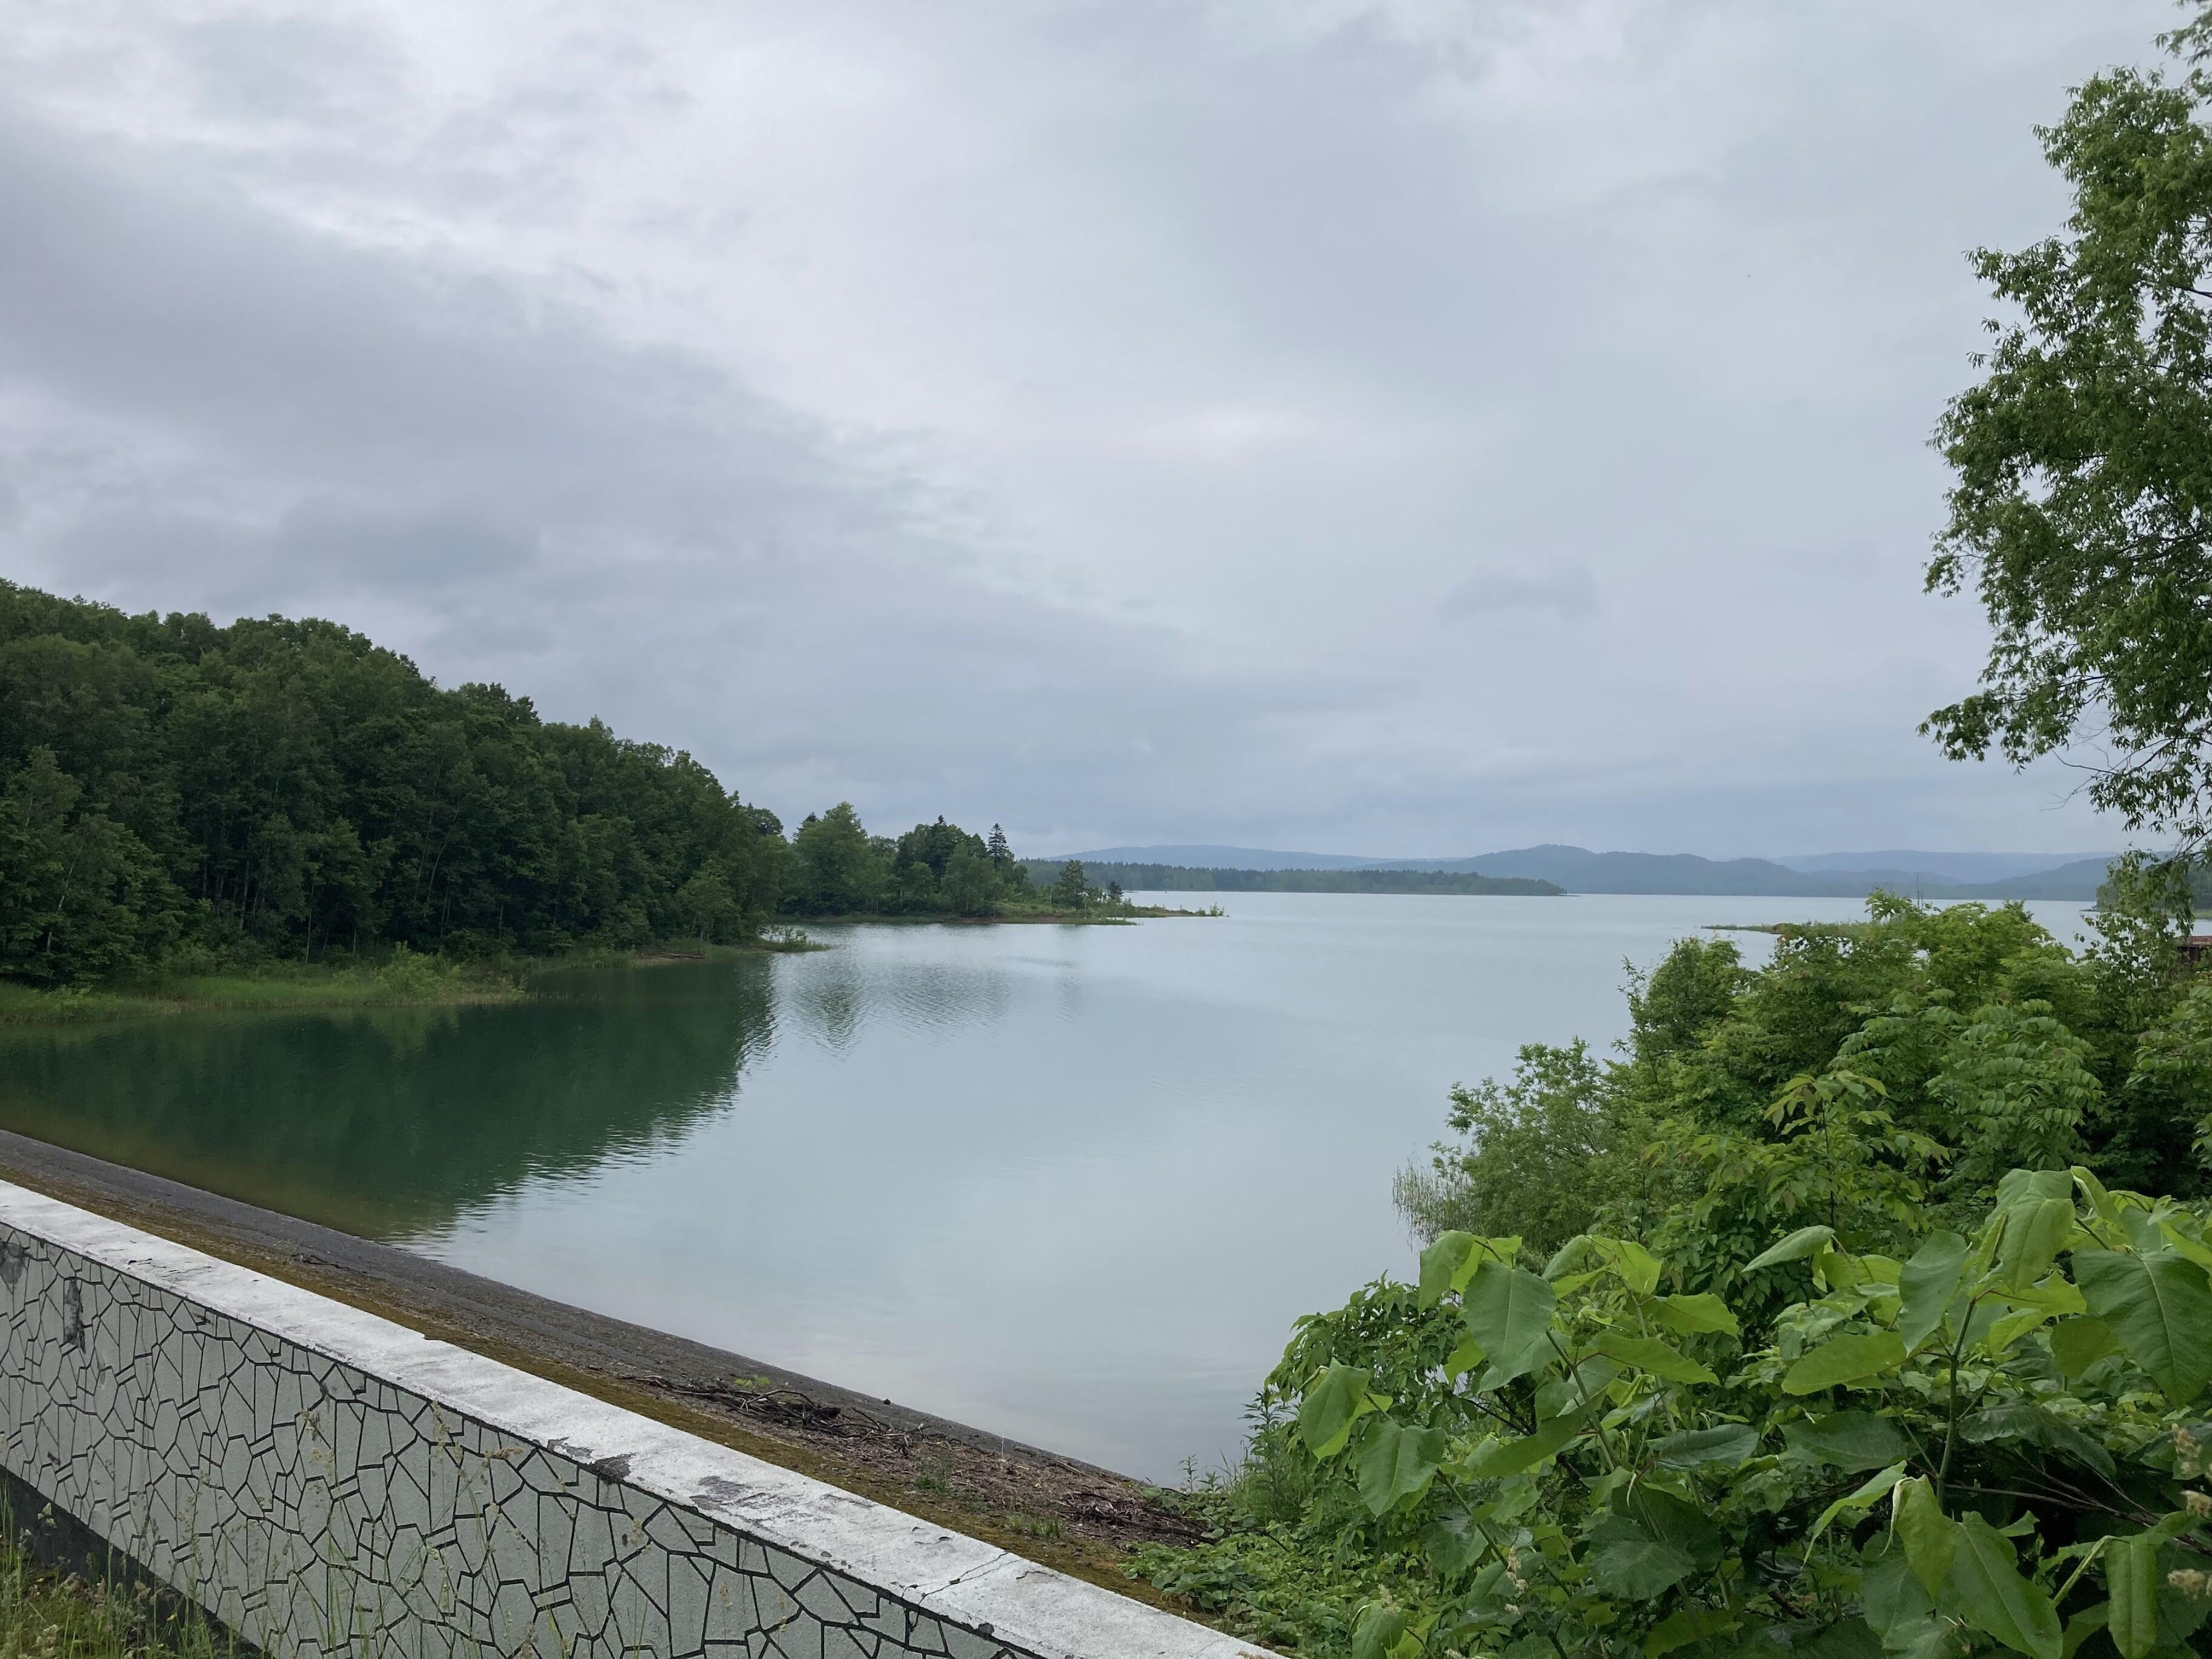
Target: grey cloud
(1243,326)
(1568,590)
(614,530)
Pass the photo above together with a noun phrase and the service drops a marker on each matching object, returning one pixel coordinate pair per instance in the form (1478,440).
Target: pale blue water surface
(1069,1184)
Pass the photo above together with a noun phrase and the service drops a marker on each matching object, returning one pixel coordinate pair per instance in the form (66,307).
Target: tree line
(173,792)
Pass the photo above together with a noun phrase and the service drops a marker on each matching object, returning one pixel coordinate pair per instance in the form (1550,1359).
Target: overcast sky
(1412,427)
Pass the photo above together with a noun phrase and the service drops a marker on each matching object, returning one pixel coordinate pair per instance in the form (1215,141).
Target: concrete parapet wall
(324,1480)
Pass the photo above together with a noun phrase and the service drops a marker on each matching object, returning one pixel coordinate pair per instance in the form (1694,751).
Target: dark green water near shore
(387,1121)
(1072,1184)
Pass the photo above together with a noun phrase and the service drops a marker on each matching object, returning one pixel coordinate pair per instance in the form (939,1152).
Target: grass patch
(56,1615)
(406,979)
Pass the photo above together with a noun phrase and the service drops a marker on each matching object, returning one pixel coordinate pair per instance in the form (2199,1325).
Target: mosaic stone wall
(316,1505)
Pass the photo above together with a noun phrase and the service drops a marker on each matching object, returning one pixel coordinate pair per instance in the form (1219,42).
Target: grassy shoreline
(412,981)
(407,981)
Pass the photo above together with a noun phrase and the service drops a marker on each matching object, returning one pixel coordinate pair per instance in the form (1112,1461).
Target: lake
(1069,1184)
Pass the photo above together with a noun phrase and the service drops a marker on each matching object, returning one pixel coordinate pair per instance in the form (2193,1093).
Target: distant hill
(1177,878)
(1578,870)
(1963,867)
(1225,858)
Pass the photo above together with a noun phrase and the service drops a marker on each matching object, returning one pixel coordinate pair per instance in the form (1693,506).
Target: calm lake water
(1072,1184)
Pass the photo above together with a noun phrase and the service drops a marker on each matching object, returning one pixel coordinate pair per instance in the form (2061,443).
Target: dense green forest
(174,793)
(1175,879)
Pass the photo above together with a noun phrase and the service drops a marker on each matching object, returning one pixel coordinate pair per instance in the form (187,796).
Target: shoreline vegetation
(408,980)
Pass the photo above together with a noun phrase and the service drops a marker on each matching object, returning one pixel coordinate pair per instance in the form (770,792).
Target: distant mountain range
(1578,870)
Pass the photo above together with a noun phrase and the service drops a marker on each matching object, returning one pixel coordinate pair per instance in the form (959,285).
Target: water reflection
(391,1120)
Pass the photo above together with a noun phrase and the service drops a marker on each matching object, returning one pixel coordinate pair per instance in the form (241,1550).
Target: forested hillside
(175,791)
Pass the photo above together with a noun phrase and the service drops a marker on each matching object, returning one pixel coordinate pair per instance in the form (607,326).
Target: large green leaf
(2159,1307)
(1853,1441)
(1728,1442)
(1453,1543)
(2132,1577)
(1687,1624)
(1501,1457)
(1856,1504)
(1378,1629)
(1397,1463)
(1638,1268)
(1795,1247)
(2019,1186)
(1638,1570)
(1929,1536)
(1845,1359)
(1685,1525)
(2029,1237)
(1899,1607)
(1441,1264)
(1986,1590)
(1509,1311)
(1333,1402)
(1691,1314)
(1926,1285)
(1649,1353)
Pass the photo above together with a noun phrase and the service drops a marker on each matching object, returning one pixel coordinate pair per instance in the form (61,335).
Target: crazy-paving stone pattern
(315,1509)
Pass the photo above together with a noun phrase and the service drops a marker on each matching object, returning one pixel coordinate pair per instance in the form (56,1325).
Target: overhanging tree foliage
(2081,514)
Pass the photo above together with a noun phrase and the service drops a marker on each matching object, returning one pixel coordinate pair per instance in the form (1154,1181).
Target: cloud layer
(1393,428)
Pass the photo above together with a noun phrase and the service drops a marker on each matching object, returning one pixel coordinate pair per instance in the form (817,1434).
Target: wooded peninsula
(182,798)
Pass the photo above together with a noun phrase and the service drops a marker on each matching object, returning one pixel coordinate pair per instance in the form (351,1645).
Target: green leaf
(2132,1577)
(1851,1638)
(1899,1607)
(2085,1624)
(1987,1591)
(1853,1441)
(1649,1353)
(1929,1536)
(1452,1543)
(2159,1307)
(1730,1442)
(1638,1569)
(2078,1343)
(1687,1624)
(1397,1463)
(1333,1402)
(1380,1628)
(1927,1285)
(1464,1359)
(1509,1311)
(2019,1186)
(1576,1389)
(1871,1492)
(1441,1263)
(1795,1247)
(1686,1525)
(1846,1359)
(2030,1236)
(1691,1314)
(1501,1457)
(1638,1268)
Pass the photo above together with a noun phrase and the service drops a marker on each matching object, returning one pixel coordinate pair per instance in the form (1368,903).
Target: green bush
(1856,1352)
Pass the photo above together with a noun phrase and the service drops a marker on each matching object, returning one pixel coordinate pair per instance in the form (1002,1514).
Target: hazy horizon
(1329,426)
